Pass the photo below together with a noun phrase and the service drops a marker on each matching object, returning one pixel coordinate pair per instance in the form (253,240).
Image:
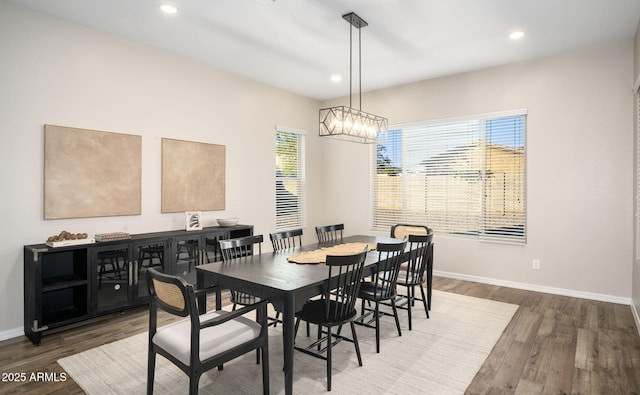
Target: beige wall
(62,74)
(580,161)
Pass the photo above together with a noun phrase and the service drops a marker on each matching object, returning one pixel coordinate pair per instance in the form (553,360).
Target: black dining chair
(400,231)
(238,248)
(282,241)
(330,233)
(413,273)
(381,287)
(335,308)
(286,239)
(201,342)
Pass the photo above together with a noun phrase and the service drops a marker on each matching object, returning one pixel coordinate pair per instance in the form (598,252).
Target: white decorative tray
(65,243)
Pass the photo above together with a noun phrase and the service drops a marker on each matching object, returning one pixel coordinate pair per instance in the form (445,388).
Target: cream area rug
(441,355)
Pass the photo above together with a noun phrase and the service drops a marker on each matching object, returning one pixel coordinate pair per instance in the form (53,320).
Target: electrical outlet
(536,264)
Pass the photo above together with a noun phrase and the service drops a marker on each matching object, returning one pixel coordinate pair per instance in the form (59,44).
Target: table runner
(320,255)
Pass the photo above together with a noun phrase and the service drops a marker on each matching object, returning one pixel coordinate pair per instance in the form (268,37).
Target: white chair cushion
(176,338)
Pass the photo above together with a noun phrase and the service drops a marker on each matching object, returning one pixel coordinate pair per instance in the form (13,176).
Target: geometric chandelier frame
(348,123)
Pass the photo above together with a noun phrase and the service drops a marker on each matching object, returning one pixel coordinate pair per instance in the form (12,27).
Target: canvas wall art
(90,173)
(193,176)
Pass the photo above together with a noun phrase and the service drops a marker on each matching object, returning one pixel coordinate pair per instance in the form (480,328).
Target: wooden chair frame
(336,307)
(381,288)
(416,271)
(286,239)
(330,233)
(175,296)
(239,248)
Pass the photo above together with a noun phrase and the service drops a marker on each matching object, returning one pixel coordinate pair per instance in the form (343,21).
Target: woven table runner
(320,255)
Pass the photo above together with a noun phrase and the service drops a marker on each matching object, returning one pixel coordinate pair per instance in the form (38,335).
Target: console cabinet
(65,285)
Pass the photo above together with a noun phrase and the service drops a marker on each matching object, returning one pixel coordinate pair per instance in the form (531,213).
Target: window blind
(290,182)
(463,176)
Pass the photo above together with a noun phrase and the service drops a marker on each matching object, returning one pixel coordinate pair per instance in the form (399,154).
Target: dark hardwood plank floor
(553,345)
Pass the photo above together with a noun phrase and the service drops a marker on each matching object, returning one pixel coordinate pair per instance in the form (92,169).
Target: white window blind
(464,176)
(290,183)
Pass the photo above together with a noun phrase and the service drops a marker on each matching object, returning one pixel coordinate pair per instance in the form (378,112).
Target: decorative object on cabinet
(70,284)
(65,238)
(227,221)
(192,220)
(193,176)
(112,236)
(89,173)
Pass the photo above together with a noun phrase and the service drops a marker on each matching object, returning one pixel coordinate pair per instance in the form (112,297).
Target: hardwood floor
(553,345)
(557,345)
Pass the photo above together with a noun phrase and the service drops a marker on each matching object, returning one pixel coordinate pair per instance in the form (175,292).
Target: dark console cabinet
(65,285)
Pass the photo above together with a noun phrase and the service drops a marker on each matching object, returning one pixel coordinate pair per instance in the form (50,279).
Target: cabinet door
(187,254)
(113,281)
(147,254)
(211,247)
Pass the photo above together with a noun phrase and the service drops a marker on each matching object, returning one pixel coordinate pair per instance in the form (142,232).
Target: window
(290,213)
(463,176)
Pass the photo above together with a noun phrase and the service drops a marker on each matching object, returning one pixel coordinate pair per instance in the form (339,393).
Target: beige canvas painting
(89,173)
(193,176)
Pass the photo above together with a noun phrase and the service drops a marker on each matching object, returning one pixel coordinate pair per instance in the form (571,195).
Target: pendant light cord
(360,66)
(351,67)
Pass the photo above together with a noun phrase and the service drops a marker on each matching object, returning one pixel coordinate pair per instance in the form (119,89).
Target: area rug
(441,355)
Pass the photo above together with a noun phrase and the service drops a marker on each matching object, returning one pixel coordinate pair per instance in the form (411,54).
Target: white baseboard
(540,288)
(11,333)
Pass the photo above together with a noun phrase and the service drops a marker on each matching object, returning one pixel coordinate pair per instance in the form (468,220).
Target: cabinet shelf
(64,303)
(63,315)
(62,282)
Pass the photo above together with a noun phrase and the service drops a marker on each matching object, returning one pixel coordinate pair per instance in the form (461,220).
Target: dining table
(287,285)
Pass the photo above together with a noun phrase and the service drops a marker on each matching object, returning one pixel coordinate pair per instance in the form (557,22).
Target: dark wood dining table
(287,285)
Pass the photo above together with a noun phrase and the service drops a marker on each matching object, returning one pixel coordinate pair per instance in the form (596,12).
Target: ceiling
(298,45)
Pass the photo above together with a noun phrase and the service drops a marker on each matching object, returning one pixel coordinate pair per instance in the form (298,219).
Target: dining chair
(286,239)
(240,247)
(237,248)
(381,287)
(335,308)
(201,342)
(413,273)
(330,233)
(400,231)
(283,241)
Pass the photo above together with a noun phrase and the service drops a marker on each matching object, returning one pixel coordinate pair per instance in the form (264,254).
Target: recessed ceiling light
(516,35)
(169,8)
(336,78)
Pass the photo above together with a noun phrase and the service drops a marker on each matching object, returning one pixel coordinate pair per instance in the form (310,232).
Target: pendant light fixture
(348,123)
